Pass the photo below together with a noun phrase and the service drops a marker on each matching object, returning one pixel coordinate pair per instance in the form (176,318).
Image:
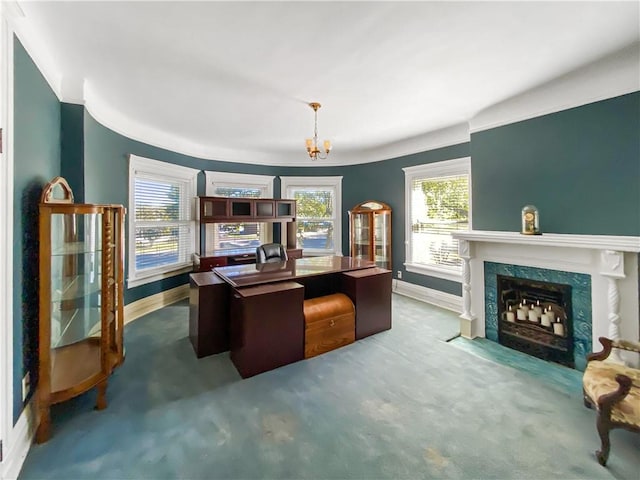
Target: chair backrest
(271,252)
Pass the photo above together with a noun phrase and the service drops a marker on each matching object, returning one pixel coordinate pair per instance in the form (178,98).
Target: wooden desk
(370,292)
(266,304)
(208,314)
(267,327)
(292,270)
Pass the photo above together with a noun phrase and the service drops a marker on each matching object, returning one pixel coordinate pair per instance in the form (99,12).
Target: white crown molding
(612,76)
(34,45)
(615,75)
(104,113)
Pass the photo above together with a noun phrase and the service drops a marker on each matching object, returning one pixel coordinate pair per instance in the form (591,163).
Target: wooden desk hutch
(214,210)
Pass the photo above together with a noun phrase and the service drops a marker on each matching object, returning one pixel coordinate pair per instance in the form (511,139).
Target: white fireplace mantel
(612,262)
(599,242)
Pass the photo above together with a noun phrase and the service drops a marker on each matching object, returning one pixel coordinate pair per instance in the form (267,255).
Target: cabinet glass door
(76,264)
(381,239)
(361,235)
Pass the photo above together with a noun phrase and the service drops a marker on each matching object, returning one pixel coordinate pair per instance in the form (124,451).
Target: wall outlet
(26,386)
(399,273)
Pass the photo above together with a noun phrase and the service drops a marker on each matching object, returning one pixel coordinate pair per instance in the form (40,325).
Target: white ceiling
(232,80)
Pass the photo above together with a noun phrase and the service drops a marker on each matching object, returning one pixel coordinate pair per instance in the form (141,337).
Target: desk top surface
(256,274)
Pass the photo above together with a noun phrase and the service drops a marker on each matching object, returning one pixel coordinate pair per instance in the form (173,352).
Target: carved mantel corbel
(612,268)
(465,251)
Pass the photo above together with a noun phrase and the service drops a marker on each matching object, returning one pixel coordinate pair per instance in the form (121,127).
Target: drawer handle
(332,323)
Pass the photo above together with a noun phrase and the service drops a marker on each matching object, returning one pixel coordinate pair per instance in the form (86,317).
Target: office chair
(271,252)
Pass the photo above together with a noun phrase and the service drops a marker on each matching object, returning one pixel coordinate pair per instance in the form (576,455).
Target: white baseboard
(428,295)
(155,302)
(19,443)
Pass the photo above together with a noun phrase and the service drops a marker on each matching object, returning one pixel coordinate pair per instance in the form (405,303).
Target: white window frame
(264,183)
(140,165)
(324,183)
(244,180)
(8,436)
(446,168)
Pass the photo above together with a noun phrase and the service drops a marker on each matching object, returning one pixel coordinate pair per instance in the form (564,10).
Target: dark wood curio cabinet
(81,306)
(370,232)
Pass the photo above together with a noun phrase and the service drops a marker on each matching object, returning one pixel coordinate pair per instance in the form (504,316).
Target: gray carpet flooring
(403,404)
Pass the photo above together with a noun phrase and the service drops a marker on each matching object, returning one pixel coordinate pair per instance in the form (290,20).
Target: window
(227,236)
(161,219)
(437,203)
(318,212)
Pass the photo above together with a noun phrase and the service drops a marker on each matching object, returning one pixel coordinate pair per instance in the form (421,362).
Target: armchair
(271,252)
(614,391)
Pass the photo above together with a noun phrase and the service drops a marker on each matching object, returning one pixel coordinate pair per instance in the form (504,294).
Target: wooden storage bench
(329,324)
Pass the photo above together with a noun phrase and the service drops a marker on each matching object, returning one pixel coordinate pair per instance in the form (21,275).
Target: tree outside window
(438,203)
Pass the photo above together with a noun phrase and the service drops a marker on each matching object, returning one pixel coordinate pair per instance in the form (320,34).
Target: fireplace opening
(535,317)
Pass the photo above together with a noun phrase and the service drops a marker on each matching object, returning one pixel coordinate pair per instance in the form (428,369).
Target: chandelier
(312,143)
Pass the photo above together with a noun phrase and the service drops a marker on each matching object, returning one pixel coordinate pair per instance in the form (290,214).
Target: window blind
(162,222)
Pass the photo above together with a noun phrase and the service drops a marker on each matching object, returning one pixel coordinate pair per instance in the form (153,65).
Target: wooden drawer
(294,252)
(329,324)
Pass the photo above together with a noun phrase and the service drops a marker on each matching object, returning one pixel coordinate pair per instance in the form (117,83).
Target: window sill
(433,271)
(154,277)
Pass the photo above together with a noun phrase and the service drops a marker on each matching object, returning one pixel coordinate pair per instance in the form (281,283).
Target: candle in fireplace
(525,307)
(522,314)
(533,316)
(538,308)
(558,328)
(545,319)
(510,315)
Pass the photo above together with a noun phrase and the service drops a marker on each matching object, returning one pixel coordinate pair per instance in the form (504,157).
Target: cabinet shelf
(69,326)
(71,287)
(74,365)
(75,248)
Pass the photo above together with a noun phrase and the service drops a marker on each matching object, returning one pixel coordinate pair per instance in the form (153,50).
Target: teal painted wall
(36,138)
(72,148)
(579,167)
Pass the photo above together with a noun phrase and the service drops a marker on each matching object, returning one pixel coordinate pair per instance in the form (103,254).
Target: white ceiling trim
(615,75)
(33,44)
(104,113)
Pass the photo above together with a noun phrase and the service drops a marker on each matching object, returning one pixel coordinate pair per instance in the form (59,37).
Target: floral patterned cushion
(599,379)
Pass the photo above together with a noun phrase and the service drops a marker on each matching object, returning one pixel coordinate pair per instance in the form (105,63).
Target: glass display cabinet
(81,308)
(370,232)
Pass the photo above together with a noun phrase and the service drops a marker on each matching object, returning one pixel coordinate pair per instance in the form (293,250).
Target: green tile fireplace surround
(601,270)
